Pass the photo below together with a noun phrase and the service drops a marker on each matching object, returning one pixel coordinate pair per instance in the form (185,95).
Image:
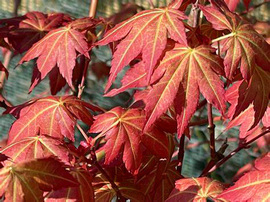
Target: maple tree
(183,59)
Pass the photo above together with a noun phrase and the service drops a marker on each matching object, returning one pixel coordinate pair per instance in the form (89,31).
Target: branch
(6,61)
(181,152)
(151,4)
(81,85)
(93,8)
(239,148)
(211,129)
(82,132)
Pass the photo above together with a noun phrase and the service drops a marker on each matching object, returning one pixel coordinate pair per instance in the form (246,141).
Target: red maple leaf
(145,33)
(189,71)
(53,116)
(123,132)
(27,181)
(30,148)
(22,32)
(60,48)
(242,94)
(243,46)
(253,186)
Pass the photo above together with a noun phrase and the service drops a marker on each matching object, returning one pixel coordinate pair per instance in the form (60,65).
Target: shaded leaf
(26,181)
(84,192)
(22,32)
(3,69)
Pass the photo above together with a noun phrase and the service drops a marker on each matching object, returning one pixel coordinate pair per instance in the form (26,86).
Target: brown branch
(181,152)
(239,148)
(93,8)
(204,121)
(211,129)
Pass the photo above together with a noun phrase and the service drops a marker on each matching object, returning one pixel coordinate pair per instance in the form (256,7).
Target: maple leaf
(189,71)
(253,186)
(59,48)
(22,32)
(84,192)
(158,183)
(195,189)
(27,181)
(243,45)
(145,33)
(30,148)
(54,116)
(124,181)
(123,132)
(232,4)
(242,94)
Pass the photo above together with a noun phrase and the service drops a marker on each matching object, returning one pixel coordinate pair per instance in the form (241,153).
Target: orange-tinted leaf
(30,148)
(195,189)
(189,71)
(22,32)
(243,46)
(53,116)
(26,181)
(60,48)
(145,33)
(123,132)
(253,186)
(84,192)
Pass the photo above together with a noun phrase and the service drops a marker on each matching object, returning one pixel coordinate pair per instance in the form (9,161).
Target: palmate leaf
(195,189)
(158,182)
(83,192)
(30,148)
(123,132)
(253,186)
(145,33)
(243,45)
(27,181)
(54,116)
(22,32)
(189,71)
(256,92)
(124,181)
(60,48)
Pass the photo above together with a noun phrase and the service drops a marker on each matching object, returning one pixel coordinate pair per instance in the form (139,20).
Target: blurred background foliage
(197,149)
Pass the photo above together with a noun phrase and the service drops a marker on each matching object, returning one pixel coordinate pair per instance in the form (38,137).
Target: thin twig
(6,62)
(211,129)
(93,8)
(151,4)
(239,148)
(181,152)
(82,132)
(81,85)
